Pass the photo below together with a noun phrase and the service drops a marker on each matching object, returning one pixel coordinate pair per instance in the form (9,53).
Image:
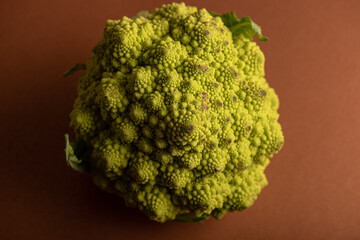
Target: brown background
(312,60)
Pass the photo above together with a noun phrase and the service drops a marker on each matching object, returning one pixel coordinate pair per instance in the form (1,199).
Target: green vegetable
(174,114)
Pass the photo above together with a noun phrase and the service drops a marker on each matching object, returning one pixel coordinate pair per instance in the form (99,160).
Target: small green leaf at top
(74,69)
(245,26)
(141,14)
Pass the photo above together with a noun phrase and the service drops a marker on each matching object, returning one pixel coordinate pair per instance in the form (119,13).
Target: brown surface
(312,60)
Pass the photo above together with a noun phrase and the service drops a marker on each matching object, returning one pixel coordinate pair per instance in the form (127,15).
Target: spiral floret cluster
(174,114)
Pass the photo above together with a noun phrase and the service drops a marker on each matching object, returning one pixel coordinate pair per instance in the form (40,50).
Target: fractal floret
(174,114)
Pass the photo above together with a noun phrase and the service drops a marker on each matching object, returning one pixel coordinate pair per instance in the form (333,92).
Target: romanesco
(174,114)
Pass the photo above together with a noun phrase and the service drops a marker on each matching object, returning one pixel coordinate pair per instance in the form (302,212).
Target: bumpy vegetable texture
(174,114)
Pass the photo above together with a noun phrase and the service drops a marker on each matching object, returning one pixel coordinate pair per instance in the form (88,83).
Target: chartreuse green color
(174,114)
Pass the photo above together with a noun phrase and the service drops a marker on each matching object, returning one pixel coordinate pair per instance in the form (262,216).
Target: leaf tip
(74,69)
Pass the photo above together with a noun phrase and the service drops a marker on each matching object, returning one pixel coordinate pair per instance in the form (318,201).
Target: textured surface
(174,114)
(311,61)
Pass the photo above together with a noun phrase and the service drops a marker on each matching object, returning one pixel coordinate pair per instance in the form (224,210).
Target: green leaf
(74,69)
(228,19)
(141,14)
(71,159)
(245,26)
(190,219)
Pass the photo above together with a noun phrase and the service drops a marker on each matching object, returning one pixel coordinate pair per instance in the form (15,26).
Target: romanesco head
(174,114)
